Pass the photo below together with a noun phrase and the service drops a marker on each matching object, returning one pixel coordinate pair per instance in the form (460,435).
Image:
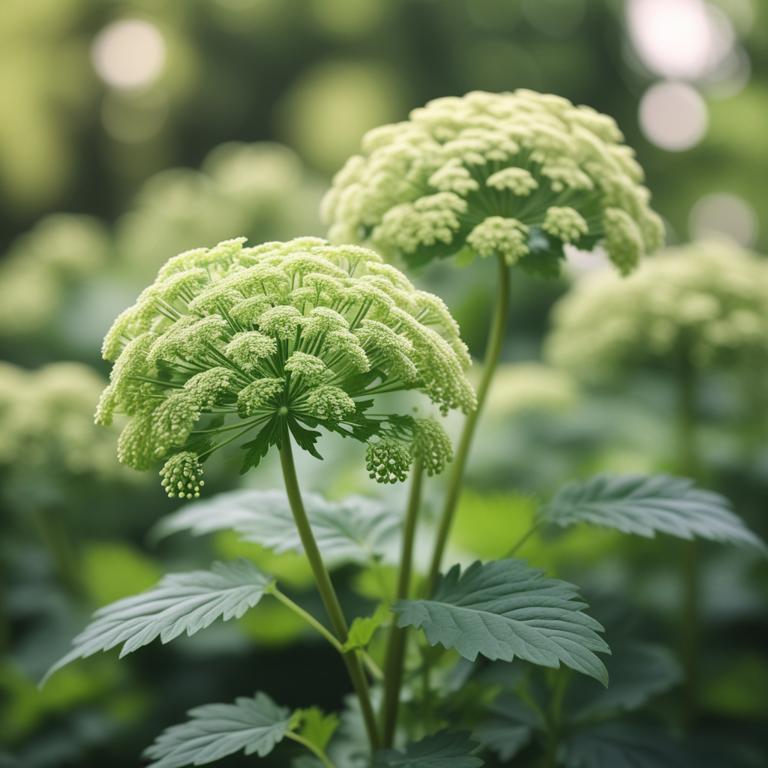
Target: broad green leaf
(363,628)
(508,726)
(253,725)
(621,745)
(317,727)
(638,672)
(179,603)
(505,610)
(649,505)
(447,749)
(353,530)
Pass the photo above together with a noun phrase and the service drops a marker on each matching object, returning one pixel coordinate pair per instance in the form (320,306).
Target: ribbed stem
(490,361)
(325,587)
(393,669)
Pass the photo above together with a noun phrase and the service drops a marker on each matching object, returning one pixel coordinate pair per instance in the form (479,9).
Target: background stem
(325,587)
(492,352)
(688,465)
(393,670)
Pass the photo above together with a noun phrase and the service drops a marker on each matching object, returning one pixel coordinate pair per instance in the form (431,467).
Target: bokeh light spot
(724,214)
(129,54)
(673,116)
(681,39)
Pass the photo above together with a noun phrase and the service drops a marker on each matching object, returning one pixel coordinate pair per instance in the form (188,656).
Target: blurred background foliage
(132,130)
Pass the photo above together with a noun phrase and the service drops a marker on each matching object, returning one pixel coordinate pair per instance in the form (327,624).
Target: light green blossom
(707,301)
(290,349)
(459,166)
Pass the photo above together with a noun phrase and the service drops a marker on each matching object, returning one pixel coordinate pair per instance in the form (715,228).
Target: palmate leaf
(353,530)
(638,672)
(447,749)
(622,745)
(505,610)
(317,727)
(180,603)
(253,725)
(648,505)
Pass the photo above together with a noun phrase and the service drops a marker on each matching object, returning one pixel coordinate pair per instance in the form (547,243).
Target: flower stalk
(325,587)
(494,346)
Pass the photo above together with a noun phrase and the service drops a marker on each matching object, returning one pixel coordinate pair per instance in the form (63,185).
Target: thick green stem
(492,353)
(688,465)
(325,587)
(393,670)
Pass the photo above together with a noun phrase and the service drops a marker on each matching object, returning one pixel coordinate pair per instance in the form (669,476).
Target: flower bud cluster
(708,301)
(511,174)
(234,341)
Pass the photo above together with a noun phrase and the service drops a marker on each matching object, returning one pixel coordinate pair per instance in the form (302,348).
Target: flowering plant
(270,344)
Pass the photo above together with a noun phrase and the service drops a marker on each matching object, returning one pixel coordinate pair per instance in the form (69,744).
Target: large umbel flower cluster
(707,301)
(234,341)
(515,174)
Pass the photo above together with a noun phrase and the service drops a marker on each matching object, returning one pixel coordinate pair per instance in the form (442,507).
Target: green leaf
(353,530)
(317,727)
(622,745)
(638,672)
(508,726)
(362,629)
(179,603)
(305,438)
(649,505)
(253,725)
(258,448)
(447,749)
(505,610)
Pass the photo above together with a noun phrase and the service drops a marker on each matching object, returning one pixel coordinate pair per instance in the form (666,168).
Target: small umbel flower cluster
(238,341)
(707,301)
(511,174)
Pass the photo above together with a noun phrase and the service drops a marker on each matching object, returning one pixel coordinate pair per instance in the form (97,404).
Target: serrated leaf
(621,745)
(257,449)
(253,725)
(638,672)
(363,628)
(645,506)
(317,727)
(353,530)
(505,610)
(447,749)
(180,603)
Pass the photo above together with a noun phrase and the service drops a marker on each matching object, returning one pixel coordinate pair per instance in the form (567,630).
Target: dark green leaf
(506,610)
(507,727)
(305,438)
(447,749)
(647,505)
(180,603)
(353,530)
(258,448)
(638,672)
(253,725)
(622,745)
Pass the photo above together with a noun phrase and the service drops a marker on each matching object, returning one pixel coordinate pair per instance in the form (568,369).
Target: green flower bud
(387,461)
(181,476)
(431,445)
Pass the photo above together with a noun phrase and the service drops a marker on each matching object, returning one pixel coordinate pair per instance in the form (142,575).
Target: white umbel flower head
(707,301)
(236,343)
(512,174)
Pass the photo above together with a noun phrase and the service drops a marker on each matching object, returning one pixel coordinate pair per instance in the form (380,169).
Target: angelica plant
(691,309)
(514,177)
